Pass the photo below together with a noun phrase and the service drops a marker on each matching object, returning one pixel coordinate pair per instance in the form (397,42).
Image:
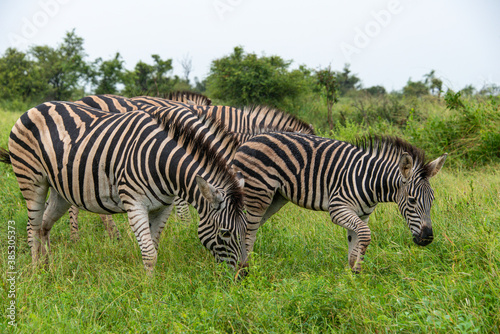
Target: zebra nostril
(425,237)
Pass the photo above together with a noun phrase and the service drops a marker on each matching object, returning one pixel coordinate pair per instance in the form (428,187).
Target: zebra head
(415,196)
(222,227)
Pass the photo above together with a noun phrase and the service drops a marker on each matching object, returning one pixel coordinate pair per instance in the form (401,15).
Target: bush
(244,79)
(469,133)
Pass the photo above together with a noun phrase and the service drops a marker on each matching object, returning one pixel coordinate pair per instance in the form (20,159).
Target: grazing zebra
(346,180)
(120,104)
(135,162)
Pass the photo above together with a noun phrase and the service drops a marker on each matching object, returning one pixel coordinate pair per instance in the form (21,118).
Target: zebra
(120,104)
(135,162)
(347,180)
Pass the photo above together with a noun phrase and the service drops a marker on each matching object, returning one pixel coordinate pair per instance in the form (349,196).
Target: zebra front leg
(358,240)
(257,215)
(182,210)
(157,221)
(139,222)
(358,236)
(73,224)
(110,226)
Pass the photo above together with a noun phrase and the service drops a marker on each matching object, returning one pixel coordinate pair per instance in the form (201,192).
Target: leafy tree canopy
(244,78)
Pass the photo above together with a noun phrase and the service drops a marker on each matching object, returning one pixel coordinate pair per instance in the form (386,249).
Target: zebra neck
(382,181)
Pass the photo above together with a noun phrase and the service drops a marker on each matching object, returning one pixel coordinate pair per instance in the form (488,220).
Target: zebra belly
(307,201)
(95,193)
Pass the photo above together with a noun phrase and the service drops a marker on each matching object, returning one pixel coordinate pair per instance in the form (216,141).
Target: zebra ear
(435,166)
(209,192)
(406,166)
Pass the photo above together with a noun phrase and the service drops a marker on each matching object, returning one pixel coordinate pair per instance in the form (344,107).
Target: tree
(147,78)
(200,86)
(63,69)
(376,90)
(245,78)
(490,89)
(327,82)
(435,85)
(468,90)
(187,66)
(346,81)
(18,80)
(415,88)
(108,74)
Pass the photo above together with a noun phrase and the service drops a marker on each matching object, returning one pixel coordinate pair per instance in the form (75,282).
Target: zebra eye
(412,200)
(224,233)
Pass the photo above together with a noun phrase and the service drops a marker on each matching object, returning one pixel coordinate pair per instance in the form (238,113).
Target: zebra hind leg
(73,223)
(35,202)
(56,208)
(110,226)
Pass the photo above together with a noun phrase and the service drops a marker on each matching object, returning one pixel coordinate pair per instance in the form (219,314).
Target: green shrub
(470,133)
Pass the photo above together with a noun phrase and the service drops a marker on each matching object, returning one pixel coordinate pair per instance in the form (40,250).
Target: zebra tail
(5,156)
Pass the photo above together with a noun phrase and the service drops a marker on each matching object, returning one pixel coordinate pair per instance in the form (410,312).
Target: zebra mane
(261,113)
(188,98)
(376,143)
(199,146)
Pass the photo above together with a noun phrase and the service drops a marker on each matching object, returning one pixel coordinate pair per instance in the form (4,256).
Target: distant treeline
(65,73)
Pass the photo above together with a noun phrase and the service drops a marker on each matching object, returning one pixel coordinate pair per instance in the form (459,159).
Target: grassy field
(299,280)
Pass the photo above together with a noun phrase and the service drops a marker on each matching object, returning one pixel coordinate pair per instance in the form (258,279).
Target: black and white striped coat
(344,179)
(136,163)
(120,104)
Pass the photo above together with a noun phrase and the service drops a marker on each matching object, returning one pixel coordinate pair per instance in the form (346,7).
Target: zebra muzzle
(426,235)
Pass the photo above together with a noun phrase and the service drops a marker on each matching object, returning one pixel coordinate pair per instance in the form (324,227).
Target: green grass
(299,280)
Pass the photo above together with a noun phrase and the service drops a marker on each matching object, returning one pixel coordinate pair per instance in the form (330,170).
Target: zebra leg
(358,236)
(257,217)
(157,221)
(73,223)
(56,208)
(110,226)
(182,210)
(138,219)
(35,195)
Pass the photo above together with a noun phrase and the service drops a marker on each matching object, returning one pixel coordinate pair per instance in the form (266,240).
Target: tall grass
(299,279)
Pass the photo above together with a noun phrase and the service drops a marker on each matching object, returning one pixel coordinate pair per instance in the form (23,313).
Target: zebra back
(109,102)
(188,97)
(248,120)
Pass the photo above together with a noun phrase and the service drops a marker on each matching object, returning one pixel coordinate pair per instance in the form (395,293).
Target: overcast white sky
(386,42)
